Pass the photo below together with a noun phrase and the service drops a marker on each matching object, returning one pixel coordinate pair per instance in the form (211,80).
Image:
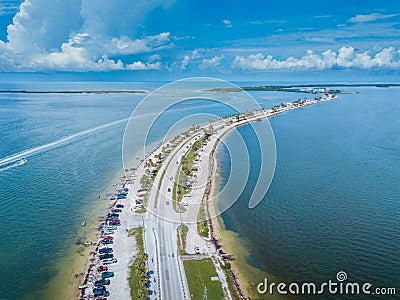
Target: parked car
(109,261)
(107,242)
(107,274)
(109,231)
(101,293)
(100,288)
(114,223)
(102,268)
(113,215)
(112,219)
(111,228)
(119,206)
(106,256)
(116,210)
(107,237)
(102,282)
(105,250)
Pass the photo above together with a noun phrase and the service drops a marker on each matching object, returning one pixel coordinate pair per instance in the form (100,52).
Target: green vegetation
(138,277)
(230,282)
(159,186)
(199,273)
(182,185)
(182,234)
(202,223)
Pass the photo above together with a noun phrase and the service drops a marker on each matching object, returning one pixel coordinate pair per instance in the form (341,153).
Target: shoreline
(231,248)
(72,268)
(215,229)
(219,236)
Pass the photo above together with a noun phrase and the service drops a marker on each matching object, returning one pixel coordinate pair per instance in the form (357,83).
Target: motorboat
(22,161)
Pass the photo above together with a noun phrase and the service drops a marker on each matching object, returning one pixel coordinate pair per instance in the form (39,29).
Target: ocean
(333,205)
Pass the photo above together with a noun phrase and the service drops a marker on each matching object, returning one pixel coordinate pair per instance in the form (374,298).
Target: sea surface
(333,204)
(73,147)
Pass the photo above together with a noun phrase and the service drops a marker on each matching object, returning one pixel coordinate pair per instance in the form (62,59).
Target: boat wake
(18,159)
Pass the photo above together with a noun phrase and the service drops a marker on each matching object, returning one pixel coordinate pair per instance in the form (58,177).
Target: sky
(200,38)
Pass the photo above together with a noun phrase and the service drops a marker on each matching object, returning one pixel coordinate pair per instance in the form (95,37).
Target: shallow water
(333,204)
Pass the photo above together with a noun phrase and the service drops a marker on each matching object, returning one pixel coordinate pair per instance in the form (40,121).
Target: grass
(231,284)
(199,273)
(138,277)
(202,223)
(159,186)
(182,234)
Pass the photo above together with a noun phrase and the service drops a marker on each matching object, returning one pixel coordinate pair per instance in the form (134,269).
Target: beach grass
(198,274)
(182,235)
(138,276)
(202,222)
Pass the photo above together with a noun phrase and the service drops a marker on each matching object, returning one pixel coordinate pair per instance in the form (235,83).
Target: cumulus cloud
(138,65)
(77,34)
(228,23)
(212,63)
(346,57)
(185,62)
(371,17)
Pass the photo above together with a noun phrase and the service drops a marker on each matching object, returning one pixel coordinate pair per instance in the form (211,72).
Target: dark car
(106,255)
(114,223)
(106,242)
(101,293)
(115,210)
(107,274)
(105,250)
(113,215)
(102,282)
(100,288)
(169,189)
(119,206)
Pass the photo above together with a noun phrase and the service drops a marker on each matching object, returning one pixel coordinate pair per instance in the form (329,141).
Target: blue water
(44,201)
(73,146)
(334,201)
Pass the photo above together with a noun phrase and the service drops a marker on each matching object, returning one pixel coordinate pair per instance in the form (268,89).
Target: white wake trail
(15,157)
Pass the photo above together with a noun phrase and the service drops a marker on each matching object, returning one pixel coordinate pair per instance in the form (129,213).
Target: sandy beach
(124,246)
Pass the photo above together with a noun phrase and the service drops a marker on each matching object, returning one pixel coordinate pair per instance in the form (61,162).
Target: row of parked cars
(106,253)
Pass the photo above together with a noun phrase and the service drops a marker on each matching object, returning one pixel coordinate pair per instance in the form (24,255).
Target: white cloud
(185,62)
(154,58)
(346,57)
(212,63)
(138,65)
(370,17)
(228,23)
(195,54)
(77,34)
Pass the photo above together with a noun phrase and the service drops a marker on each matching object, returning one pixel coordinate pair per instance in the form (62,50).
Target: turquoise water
(44,201)
(334,201)
(73,147)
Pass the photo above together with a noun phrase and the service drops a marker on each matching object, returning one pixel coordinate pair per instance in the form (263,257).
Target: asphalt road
(167,276)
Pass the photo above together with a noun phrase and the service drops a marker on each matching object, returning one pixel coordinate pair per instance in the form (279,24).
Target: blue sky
(202,38)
